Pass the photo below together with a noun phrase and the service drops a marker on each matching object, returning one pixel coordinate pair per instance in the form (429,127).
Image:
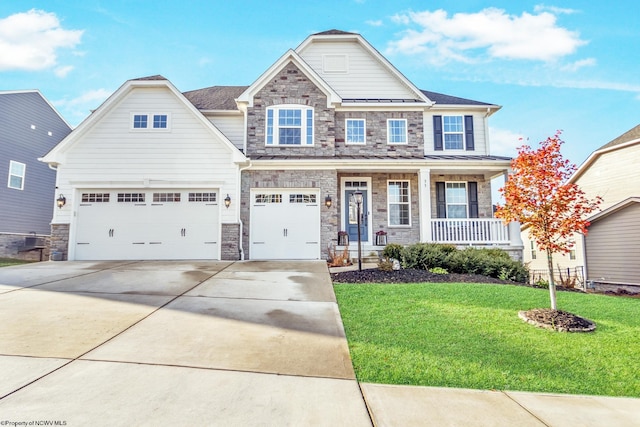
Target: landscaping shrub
(487,262)
(393,251)
(424,256)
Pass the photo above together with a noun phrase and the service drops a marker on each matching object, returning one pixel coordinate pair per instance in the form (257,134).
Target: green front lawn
(4,262)
(469,336)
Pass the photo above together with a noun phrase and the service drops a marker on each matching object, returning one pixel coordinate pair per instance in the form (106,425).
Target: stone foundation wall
(60,240)
(12,245)
(230,242)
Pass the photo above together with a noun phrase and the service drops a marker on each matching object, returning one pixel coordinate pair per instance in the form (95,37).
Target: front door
(351,216)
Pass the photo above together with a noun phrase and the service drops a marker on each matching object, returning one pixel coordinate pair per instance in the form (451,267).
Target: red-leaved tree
(539,195)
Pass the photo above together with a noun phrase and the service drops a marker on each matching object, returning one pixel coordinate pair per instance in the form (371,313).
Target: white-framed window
(289,125)
(17,172)
(456,196)
(453,132)
(396,131)
(534,254)
(399,203)
(355,131)
(150,121)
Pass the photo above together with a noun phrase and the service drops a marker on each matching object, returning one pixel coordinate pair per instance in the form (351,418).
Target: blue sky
(570,65)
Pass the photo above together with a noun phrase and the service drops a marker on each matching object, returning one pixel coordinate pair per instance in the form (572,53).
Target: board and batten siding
(365,78)
(613,176)
(613,247)
(479,132)
(186,155)
(232,126)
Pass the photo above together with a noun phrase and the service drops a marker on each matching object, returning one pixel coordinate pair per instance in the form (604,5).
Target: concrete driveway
(174,343)
(219,343)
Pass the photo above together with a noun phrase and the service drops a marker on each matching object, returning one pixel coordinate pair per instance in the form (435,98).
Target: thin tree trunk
(552,284)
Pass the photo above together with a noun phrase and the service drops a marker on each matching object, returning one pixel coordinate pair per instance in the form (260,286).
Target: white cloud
(376,23)
(505,142)
(575,66)
(30,40)
(63,71)
(553,9)
(485,35)
(96,96)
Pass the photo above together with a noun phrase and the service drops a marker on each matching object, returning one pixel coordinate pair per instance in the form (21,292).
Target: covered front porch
(450,205)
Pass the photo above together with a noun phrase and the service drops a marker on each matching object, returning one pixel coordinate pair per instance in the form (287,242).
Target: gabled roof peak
(335,32)
(156,77)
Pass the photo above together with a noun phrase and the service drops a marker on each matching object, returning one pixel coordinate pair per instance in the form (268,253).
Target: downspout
(240,248)
(486,132)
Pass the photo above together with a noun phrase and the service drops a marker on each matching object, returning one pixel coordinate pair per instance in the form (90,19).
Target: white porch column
(515,237)
(424,204)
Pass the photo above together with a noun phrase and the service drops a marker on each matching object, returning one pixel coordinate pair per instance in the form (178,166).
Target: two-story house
(608,256)
(29,127)
(267,171)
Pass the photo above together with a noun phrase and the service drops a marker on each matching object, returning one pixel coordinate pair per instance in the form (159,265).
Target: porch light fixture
(327,201)
(227,201)
(357,197)
(61,201)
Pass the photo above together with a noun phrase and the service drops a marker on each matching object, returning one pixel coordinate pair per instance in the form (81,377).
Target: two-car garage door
(285,224)
(147,224)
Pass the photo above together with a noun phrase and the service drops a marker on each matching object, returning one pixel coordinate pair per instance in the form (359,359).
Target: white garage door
(147,224)
(285,224)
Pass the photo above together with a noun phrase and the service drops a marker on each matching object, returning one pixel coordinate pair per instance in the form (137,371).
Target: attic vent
(335,63)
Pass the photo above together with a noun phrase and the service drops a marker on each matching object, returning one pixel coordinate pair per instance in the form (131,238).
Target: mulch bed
(409,275)
(559,320)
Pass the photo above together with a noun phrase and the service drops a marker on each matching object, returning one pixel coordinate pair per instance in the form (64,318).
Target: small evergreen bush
(393,251)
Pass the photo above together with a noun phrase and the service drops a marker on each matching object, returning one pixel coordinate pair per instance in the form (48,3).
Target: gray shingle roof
(334,33)
(215,97)
(625,137)
(156,77)
(440,98)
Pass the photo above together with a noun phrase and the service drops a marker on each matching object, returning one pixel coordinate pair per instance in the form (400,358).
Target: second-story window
(289,125)
(153,121)
(355,130)
(397,131)
(453,132)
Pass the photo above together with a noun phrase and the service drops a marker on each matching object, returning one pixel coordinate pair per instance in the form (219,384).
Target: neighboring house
(147,173)
(29,127)
(610,253)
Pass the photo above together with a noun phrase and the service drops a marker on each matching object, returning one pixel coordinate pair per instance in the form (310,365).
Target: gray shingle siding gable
(30,209)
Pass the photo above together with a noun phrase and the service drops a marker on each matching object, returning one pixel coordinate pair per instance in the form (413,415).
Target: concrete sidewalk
(219,343)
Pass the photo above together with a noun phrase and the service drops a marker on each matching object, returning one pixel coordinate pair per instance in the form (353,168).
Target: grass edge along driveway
(469,336)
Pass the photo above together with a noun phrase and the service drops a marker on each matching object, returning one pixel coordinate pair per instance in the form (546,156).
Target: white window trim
(444,133)
(303,125)
(150,127)
(466,199)
(408,203)
(364,129)
(406,132)
(24,173)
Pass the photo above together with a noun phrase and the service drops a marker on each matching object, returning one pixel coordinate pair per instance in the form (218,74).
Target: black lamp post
(357,197)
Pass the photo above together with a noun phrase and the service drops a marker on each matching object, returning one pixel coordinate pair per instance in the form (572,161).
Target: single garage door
(285,224)
(147,224)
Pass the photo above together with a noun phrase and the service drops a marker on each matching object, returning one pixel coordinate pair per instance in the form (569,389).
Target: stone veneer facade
(11,244)
(324,180)
(60,240)
(230,242)
(485,208)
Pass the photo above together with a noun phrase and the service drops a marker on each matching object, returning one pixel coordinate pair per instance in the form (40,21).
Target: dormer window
(150,121)
(289,125)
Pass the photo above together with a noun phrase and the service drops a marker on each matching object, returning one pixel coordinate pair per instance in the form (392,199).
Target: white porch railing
(470,230)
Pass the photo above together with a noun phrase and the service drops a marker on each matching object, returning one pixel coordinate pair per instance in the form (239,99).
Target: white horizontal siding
(366,76)
(112,152)
(479,132)
(613,247)
(232,127)
(613,176)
